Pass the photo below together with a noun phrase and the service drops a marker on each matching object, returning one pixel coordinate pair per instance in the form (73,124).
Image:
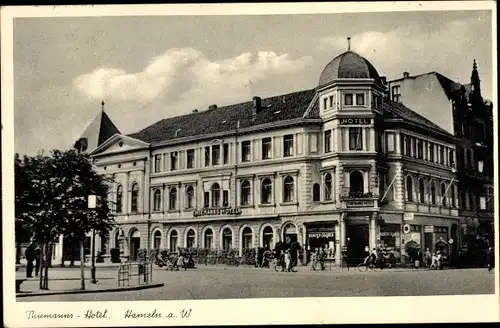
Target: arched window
(268,237)
(328,186)
(288,189)
(157,200)
(247,238)
(421,190)
(443,193)
(245,192)
(266,191)
(173,240)
(190,239)
(134,198)
(409,189)
(433,193)
(117,238)
(215,195)
(227,239)
(356,184)
(119,199)
(172,199)
(189,197)
(453,195)
(209,238)
(316,192)
(157,239)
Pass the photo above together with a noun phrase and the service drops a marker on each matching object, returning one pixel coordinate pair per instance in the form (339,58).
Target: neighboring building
(462,111)
(336,166)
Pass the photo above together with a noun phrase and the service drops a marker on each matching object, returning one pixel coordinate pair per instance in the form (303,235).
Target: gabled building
(461,111)
(338,166)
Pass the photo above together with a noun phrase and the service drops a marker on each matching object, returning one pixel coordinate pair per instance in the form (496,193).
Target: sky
(147,68)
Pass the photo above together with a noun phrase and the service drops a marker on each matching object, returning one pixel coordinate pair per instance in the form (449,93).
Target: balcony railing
(358,200)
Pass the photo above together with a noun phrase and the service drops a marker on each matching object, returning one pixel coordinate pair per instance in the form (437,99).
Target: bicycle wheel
(292,268)
(362,267)
(278,268)
(377,268)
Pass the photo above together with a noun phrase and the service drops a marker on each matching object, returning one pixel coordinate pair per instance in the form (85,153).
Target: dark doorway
(135,244)
(358,235)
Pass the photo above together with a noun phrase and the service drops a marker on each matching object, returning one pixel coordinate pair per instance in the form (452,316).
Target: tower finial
(102,105)
(474,65)
(348,43)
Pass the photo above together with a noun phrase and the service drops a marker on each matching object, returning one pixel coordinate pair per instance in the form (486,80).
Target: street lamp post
(92,204)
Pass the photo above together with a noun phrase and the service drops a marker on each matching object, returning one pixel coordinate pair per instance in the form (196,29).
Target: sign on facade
(217,211)
(429,229)
(351,121)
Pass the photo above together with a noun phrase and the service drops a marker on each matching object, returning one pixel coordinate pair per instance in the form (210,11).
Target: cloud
(417,49)
(180,73)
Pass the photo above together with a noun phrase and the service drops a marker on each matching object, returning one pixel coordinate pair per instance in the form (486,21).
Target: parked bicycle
(280,266)
(375,266)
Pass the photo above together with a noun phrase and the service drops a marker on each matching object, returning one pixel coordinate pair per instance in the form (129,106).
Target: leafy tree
(51,199)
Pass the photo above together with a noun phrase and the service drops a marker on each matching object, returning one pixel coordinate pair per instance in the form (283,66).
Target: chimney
(195,110)
(211,107)
(406,74)
(257,105)
(383,80)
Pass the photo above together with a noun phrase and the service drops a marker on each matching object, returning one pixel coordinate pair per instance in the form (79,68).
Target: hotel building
(341,165)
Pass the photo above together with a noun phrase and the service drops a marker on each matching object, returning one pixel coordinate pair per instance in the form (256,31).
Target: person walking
(29,254)
(490,259)
(438,260)
(314,257)
(288,260)
(428,258)
(38,258)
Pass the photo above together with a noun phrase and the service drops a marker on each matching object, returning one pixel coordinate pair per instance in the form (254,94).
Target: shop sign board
(355,120)
(409,216)
(360,203)
(428,229)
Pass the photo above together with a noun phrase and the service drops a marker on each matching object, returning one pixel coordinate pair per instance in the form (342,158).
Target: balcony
(357,200)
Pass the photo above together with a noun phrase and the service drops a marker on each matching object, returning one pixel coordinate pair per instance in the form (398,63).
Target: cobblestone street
(231,282)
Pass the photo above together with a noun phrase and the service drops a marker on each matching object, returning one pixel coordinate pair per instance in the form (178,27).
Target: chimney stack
(195,110)
(257,105)
(406,74)
(211,107)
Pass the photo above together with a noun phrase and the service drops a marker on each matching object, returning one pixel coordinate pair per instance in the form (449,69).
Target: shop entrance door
(358,235)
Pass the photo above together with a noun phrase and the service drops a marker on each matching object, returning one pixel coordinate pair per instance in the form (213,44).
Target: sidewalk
(63,281)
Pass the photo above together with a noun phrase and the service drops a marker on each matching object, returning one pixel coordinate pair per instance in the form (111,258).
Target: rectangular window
(441,155)
(158,163)
(173,161)
(348,99)
(360,99)
(225,150)
(190,158)
(356,138)
(431,152)
(328,141)
(414,147)
(482,202)
(206,199)
(215,155)
(288,145)
(245,151)
(331,101)
(207,156)
(266,148)
(408,146)
(452,158)
(396,93)
(420,149)
(225,198)
(390,143)
(325,103)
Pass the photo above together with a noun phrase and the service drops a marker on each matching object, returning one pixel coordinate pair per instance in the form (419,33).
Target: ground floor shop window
(227,239)
(318,240)
(268,237)
(247,238)
(173,241)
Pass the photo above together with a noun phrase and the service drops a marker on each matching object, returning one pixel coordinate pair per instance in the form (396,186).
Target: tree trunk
(82,264)
(18,252)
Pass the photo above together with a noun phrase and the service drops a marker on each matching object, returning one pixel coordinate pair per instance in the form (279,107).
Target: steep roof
(224,119)
(100,129)
(450,87)
(401,111)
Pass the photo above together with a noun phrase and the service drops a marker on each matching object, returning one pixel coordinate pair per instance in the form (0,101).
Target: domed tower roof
(348,65)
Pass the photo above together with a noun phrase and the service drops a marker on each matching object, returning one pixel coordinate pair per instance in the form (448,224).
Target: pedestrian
(38,258)
(180,262)
(29,254)
(314,257)
(428,257)
(490,259)
(434,261)
(438,260)
(288,260)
